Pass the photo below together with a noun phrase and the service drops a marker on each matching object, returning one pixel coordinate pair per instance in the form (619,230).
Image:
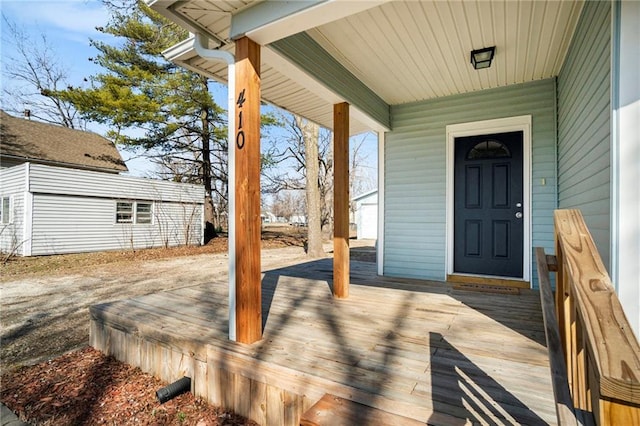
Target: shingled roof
(27,140)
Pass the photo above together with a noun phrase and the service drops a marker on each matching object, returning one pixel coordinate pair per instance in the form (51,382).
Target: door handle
(518,215)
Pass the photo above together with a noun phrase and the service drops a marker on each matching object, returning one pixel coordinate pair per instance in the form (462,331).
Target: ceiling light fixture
(482,58)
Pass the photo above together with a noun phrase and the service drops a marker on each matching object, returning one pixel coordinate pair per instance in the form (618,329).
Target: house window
(143,212)
(489,149)
(5,211)
(138,212)
(124,212)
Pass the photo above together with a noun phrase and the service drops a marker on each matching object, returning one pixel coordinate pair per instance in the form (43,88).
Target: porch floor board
(423,350)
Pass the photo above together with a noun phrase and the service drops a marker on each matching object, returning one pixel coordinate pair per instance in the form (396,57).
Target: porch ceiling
(403,51)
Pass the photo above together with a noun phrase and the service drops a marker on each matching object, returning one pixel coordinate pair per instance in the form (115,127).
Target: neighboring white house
(298,220)
(268,217)
(366,215)
(81,204)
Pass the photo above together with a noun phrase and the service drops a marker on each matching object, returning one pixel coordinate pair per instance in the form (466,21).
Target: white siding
(367,215)
(181,223)
(59,180)
(415,170)
(367,221)
(13,183)
(75,211)
(584,135)
(71,224)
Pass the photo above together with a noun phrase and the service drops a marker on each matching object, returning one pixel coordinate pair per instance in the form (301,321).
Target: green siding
(584,123)
(308,55)
(415,170)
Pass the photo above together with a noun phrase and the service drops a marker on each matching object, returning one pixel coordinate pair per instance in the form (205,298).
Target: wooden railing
(596,374)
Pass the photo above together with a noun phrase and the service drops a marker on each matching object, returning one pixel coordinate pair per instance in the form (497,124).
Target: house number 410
(240,134)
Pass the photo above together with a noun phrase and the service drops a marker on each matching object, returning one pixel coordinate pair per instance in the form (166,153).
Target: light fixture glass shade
(482,58)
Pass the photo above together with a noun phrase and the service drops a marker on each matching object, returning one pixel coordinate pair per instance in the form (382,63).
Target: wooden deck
(423,350)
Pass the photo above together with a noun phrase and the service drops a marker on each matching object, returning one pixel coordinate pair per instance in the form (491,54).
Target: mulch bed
(88,388)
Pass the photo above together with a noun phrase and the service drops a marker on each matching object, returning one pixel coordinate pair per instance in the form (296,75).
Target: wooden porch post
(341,200)
(247,192)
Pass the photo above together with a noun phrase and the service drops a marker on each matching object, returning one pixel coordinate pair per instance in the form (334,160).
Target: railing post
(602,353)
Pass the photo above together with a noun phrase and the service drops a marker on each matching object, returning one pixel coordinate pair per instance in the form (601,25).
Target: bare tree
(286,168)
(303,162)
(310,132)
(360,181)
(37,76)
(287,204)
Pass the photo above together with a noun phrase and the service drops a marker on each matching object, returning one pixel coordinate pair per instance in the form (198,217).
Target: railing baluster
(580,365)
(573,322)
(564,406)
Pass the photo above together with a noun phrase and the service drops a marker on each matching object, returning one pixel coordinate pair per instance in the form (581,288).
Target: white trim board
(381,217)
(27,207)
(625,157)
(500,125)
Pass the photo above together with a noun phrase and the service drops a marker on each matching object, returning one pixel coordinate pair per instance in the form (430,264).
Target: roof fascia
(181,51)
(67,165)
(267,13)
(307,55)
(166,9)
(269,21)
(364,195)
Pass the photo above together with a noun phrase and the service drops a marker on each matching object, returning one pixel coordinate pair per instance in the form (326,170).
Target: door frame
(500,125)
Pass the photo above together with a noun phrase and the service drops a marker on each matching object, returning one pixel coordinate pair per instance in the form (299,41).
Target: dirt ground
(44,304)
(45,300)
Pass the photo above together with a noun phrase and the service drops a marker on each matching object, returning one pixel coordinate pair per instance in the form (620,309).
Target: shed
(366,215)
(61,193)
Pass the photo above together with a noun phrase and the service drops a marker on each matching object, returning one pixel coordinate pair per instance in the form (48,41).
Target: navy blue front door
(488,205)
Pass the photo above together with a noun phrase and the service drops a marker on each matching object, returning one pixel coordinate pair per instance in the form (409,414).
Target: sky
(68,26)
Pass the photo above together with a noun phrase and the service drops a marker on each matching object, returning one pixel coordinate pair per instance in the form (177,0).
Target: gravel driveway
(43,317)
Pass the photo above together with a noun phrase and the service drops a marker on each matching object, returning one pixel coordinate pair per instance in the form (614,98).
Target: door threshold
(475,282)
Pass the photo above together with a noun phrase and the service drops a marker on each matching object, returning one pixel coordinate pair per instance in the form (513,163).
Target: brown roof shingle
(41,142)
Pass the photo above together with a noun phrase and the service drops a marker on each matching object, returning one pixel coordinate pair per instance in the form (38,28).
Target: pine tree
(152,104)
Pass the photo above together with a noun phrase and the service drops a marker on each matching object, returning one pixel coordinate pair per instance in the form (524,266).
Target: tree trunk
(209,213)
(209,220)
(310,132)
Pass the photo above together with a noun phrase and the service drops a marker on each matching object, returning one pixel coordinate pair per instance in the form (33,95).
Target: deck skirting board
(220,378)
(265,392)
(151,356)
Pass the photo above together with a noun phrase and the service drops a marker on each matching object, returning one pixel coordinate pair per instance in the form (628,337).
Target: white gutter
(221,55)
